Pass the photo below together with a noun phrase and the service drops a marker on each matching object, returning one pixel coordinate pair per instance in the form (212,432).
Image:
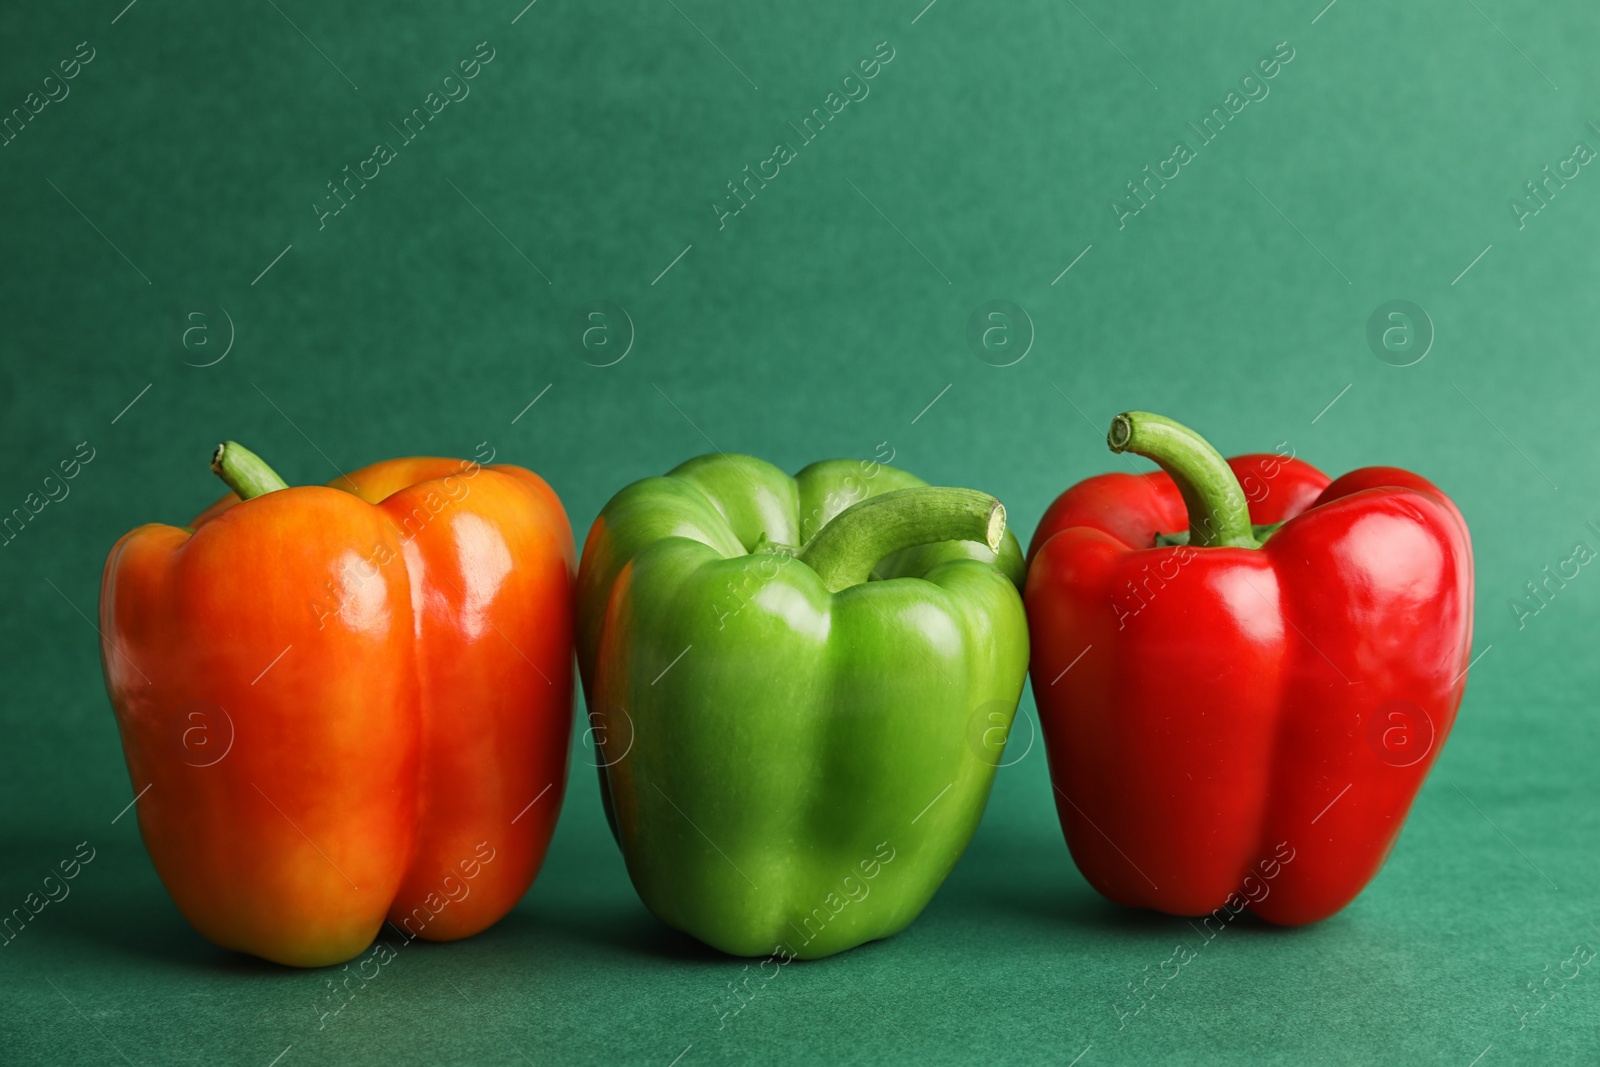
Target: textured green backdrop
(174,197)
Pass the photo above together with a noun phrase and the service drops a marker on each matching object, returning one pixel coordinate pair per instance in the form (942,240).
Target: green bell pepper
(799,690)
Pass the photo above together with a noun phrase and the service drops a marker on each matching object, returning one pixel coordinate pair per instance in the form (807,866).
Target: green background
(821,321)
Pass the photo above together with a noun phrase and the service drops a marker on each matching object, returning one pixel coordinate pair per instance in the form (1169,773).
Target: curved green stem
(244,472)
(844,552)
(1219,515)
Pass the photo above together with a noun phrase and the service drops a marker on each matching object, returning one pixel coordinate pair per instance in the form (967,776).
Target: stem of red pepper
(1219,515)
(844,552)
(244,472)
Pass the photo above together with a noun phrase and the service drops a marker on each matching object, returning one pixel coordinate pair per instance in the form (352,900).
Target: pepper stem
(1219,515)
(244,472)
(844,552)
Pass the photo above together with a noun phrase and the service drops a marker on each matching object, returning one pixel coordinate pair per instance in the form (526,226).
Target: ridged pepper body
(1209,711)
(337,704)
(790,769)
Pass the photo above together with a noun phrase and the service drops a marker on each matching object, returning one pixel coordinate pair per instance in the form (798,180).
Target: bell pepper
(345,704)
(1225,680)
(799,689)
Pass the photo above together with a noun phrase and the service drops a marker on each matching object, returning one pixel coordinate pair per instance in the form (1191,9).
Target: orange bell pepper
(349,703)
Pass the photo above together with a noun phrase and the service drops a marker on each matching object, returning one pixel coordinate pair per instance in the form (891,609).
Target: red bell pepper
(1208,698)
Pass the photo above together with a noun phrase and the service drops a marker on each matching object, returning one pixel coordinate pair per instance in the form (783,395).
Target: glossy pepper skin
(1238,701)
(335,702)
(794,757)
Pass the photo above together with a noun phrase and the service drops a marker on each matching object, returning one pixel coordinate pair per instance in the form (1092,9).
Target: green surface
(822,320)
